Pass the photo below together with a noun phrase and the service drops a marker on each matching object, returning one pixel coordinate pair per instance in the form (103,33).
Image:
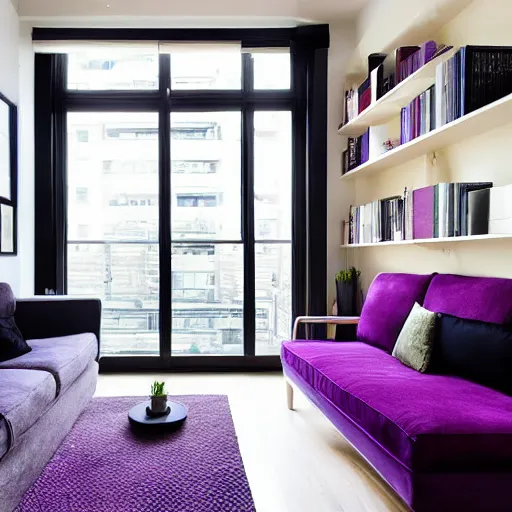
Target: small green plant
(157,389)
(347,276)
(194,349)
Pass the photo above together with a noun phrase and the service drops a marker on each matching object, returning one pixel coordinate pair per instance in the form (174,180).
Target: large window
(172,169)
(113,226)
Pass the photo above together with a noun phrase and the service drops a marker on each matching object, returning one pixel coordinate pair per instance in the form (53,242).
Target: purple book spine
(418,118)
(402,116)
(428,50)
(423,213)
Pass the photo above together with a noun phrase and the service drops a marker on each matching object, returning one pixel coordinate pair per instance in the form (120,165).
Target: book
(478,211)
(416,118)
(344,162)
(474,77)
(464,189)
(425,53)
(358,151)
(423,213)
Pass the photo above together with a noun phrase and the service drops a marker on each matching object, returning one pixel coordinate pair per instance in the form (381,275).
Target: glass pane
(111,68)
(209,70)
(273,297)
(126,279)
(272,175)
(207,299)
(271,70)
(205,175)
(113,197)
(113,176)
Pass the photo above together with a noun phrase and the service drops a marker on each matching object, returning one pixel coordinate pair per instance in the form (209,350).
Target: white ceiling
(191,12)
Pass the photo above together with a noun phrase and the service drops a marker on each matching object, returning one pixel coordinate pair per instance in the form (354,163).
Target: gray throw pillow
(414,344)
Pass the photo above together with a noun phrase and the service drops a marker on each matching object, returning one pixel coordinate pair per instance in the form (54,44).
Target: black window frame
(306,100)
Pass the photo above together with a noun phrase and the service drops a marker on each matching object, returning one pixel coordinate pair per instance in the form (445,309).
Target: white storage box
(500,210)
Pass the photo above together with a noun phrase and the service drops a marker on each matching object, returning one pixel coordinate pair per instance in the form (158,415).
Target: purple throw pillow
(388,303)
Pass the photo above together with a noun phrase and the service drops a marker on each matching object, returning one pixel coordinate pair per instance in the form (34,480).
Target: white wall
(185,13)
(341,49)
(9,86)
(484,158)
(26,163)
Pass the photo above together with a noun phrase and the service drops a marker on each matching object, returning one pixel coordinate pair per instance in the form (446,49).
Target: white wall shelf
(480,121)
(390,105)
(428,241)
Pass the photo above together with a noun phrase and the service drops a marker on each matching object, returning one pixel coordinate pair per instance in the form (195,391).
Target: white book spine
(442,210)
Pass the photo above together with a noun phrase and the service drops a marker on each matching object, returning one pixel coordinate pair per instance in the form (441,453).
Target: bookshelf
(432,241)
(473,124)
(390,105)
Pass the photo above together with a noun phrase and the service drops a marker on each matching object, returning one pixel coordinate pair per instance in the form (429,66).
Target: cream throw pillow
(414,344)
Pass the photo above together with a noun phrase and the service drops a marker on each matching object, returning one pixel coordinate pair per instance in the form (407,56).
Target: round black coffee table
(139,419)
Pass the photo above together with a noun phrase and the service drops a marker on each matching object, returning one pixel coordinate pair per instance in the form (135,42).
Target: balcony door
(179,202)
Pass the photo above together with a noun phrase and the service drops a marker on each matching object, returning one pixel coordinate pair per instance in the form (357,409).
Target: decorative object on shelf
(347,291)
(158,399)
(8,175)
(390,144)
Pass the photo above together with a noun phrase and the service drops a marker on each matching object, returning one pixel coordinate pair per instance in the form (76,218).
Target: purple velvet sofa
(43,392)
(441,442)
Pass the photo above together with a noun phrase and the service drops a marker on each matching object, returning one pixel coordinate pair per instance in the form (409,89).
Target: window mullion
(164,140)
(248,209)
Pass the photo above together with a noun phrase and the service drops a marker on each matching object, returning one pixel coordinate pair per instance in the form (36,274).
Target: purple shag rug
(102,466)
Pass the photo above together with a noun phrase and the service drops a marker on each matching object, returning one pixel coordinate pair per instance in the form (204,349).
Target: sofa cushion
(389,300)
(477,351)
(24,396)
(65,358)
(12,343)
(486,299)
(414,344)
(426,422)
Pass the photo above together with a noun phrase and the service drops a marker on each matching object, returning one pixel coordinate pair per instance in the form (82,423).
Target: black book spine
(352,160)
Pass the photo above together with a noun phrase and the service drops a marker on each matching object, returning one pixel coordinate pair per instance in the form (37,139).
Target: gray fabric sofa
(43,392)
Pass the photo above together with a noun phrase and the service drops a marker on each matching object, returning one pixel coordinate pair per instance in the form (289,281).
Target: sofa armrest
(336,320)
(51,317)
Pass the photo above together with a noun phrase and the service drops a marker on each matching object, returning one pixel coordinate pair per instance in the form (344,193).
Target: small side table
(139,419)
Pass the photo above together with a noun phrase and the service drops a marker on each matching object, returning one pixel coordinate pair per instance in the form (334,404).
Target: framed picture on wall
(8,176)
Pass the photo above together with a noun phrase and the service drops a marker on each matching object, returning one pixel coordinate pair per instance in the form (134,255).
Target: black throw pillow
(477,351)
(12,343)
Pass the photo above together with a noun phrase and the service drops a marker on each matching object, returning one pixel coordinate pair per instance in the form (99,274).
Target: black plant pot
(346,297)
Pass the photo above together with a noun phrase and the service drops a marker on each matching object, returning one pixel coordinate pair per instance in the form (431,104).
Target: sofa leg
(289,395)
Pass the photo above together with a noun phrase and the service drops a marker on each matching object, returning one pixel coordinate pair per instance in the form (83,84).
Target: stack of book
(425,53)
(443,210)
(419,117)
(356,100)
(385,72)
(351,105)
(358,152)
(378,221)
(438,211)
(474,77)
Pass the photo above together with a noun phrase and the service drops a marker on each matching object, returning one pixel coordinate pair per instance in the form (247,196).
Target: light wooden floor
(295,460)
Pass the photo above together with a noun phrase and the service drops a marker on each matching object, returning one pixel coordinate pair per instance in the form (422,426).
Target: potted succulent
(158,398)
(347,291)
